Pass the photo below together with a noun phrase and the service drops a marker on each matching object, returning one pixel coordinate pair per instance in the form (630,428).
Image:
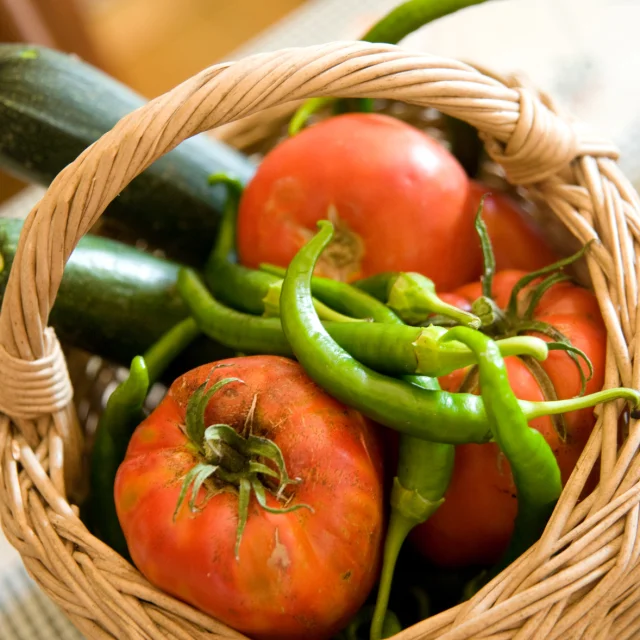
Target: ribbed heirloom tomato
(475,523)
(398,198)
(302,573)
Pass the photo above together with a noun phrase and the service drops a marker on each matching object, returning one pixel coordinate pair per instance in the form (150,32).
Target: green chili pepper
(394,349)
(432,415)
(417,495)
(124,411)
(413,297)
(395,26)
(223,275)
(534,467)
(344,297)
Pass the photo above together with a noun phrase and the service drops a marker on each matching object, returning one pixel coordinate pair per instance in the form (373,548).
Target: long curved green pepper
(534,467)
(222,273)
(124,411)
(438,416)
(424,468)
(395,26)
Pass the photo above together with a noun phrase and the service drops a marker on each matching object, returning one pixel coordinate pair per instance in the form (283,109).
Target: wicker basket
(582,577)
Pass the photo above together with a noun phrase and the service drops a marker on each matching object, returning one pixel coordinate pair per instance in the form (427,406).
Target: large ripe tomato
(397,198)
(302,574)
(475,523)
(400,202)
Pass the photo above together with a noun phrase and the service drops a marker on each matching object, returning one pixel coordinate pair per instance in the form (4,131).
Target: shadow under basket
(581,579)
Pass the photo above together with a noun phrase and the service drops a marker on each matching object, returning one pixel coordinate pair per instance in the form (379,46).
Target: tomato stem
(496,322)
(512,306)
(561,343)
(196,409)
(234,459)
(540,290)
(487,252)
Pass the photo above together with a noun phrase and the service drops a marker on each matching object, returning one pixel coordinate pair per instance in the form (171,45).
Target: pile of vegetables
(366,345)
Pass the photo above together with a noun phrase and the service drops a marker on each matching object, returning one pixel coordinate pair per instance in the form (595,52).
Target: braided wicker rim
(579,580)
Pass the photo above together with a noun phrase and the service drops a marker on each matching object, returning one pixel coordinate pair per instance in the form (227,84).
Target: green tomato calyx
(240,462)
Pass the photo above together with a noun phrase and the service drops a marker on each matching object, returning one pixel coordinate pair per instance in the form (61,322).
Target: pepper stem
(408,509)
(398,530)
(304,112)
(413,297)
(491,316)
(534,410)
(437,357)
(522,346)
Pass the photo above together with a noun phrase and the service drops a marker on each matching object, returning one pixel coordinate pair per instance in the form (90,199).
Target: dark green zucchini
(53,106)
(114,300)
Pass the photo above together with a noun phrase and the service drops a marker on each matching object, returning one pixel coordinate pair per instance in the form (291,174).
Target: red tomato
(475,523)
(396,196)
(301,574)
(517,242)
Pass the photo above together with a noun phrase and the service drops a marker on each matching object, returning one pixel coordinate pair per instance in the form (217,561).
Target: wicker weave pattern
(579,580)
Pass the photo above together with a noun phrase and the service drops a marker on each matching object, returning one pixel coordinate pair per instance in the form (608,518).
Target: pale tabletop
(585,52)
